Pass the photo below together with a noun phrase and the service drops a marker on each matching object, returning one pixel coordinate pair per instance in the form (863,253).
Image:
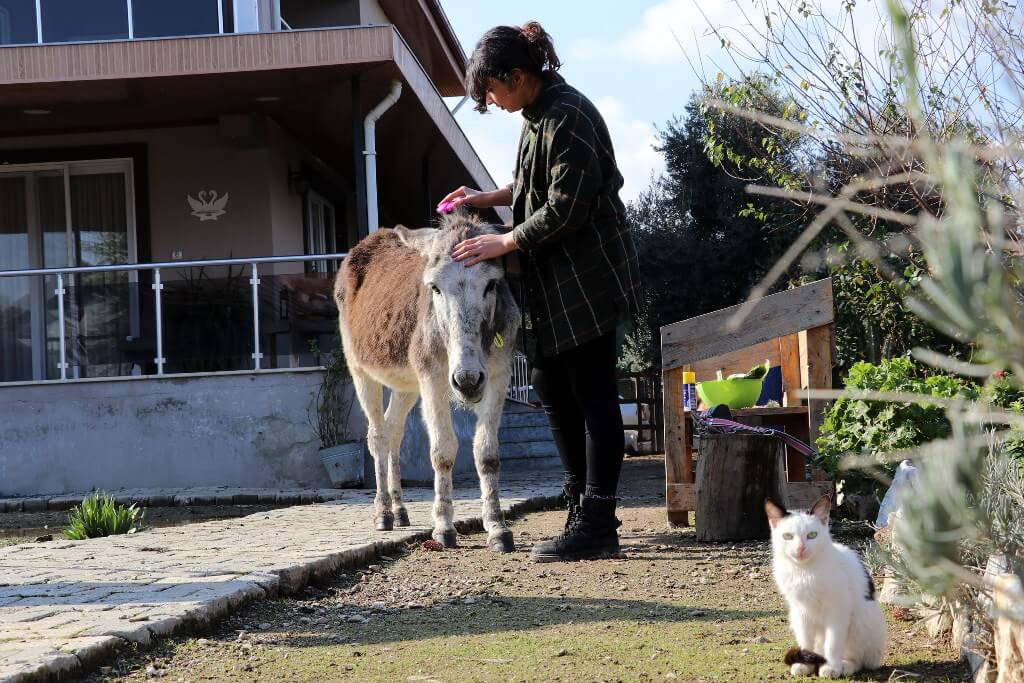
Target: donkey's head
(468,307)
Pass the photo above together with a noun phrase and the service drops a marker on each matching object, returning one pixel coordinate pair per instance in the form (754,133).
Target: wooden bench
(794,330)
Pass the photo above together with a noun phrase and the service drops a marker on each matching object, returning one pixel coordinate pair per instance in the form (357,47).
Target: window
(68,21)
(320,235)
(72,21)
(18,22)
(155,18)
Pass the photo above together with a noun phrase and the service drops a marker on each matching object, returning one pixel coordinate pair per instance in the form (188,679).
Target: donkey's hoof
(385,522)
(402,517)
(447,538)
(501,542)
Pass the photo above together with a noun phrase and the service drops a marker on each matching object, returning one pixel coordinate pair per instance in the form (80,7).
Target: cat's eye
(812,534)
(787,536)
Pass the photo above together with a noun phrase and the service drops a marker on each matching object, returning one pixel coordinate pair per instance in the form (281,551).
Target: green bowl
(735,393)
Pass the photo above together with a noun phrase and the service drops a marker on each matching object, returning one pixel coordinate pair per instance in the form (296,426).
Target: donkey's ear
(415,239)
(505,314)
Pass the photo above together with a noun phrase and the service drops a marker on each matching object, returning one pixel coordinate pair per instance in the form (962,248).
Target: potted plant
(341,452)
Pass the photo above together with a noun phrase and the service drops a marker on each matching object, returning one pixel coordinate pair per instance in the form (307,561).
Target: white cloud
(634,143)
(662,29)
(495,137)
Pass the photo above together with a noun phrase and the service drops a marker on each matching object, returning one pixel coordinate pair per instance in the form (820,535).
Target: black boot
(572,496)
(589,535)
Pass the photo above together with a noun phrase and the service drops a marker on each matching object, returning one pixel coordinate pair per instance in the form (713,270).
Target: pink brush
(446,207)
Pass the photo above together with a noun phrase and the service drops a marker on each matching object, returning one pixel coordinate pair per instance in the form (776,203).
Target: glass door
(320,231)
(15,292)
(52,216)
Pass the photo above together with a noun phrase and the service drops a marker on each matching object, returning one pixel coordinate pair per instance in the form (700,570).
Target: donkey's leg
(443,446)
(485,454)
(399,405)
(371,398)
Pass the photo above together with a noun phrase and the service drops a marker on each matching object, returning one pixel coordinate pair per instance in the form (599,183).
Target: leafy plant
(331,407)
(875,428)
(100,515)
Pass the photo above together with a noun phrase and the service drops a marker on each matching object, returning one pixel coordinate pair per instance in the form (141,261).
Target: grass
(100,515)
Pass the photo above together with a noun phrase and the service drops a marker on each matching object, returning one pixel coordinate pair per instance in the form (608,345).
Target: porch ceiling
(176,82)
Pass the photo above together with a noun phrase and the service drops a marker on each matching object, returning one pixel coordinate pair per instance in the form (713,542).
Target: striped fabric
(579,260)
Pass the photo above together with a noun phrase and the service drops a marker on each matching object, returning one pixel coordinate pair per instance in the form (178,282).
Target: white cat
(838,625)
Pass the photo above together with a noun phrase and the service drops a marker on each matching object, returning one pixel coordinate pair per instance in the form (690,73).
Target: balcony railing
(205,317)
(226,294)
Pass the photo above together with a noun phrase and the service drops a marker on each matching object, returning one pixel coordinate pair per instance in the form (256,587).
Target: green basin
(735,393)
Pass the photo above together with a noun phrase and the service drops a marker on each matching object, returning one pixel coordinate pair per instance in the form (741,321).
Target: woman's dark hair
(504,48)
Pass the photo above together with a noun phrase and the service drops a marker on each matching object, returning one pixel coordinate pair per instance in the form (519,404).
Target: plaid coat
(578,257)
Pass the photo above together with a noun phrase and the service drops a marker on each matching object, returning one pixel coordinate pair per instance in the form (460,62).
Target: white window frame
(131,20)
(318,239)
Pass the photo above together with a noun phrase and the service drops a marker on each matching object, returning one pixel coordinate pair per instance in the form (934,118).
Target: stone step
(528,449)
(524,434)
(534,419)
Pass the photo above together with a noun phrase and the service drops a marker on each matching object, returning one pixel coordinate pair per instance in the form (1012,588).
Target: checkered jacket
(579,260)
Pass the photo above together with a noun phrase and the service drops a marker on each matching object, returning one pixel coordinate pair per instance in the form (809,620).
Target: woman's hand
(482,248)
(468,196)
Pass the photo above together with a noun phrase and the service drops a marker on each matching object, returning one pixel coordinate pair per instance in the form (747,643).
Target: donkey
(424,325)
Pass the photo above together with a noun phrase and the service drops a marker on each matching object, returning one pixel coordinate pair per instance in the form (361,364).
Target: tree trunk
(735,473)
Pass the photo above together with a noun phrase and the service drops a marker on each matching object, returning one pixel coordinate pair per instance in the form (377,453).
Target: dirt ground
(672,609)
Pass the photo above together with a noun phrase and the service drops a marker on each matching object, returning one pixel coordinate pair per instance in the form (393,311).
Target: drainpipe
(370,153)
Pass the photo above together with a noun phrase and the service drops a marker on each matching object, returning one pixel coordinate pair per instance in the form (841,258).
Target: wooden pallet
(793,330)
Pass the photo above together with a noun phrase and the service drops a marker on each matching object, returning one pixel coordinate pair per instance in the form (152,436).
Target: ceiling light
(268,98)
(37,112)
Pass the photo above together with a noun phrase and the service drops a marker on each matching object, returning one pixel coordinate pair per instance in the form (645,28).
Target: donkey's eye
(812,534)
(434,288)
(490,287)
(787,536)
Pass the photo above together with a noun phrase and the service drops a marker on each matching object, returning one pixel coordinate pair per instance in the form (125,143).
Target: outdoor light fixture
(297,181)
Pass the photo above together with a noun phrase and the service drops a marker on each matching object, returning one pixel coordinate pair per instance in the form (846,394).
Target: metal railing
(158,286)
(519,383)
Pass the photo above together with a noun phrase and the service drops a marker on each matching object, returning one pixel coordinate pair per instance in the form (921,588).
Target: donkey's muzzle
(469,383)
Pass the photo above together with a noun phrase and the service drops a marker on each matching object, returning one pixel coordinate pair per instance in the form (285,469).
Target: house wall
(263,218)
(249,430)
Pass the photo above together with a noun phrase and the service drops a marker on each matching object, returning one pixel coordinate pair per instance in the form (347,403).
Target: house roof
(425,27)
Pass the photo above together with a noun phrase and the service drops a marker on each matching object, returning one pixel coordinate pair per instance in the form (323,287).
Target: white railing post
(158,288)
(63,364)
(255,282)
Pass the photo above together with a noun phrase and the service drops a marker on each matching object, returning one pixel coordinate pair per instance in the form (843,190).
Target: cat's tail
(795,655)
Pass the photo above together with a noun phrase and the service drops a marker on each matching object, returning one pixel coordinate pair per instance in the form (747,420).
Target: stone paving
(66,606)
(165,497)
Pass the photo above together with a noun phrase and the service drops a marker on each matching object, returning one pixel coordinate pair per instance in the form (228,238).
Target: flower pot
(344,463)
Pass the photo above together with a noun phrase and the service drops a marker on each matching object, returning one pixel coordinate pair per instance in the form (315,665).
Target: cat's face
(799,536)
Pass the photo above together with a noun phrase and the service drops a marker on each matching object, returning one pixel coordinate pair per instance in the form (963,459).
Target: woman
(579,268)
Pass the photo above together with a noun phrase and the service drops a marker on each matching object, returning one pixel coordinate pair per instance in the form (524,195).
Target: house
(199,134)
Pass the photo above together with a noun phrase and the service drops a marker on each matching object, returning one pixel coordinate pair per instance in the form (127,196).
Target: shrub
(871,427)
(100,515)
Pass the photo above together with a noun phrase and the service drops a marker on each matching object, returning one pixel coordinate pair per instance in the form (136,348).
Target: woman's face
(512,95)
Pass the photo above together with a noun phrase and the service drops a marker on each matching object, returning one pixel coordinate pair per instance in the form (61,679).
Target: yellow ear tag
(499,341)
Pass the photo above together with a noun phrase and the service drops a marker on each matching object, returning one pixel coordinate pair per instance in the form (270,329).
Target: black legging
(578,391)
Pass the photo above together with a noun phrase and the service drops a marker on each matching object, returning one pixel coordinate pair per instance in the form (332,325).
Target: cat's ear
(774,511)
(822,508)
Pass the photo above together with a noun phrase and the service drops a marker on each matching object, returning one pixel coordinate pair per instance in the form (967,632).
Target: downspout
(370,153)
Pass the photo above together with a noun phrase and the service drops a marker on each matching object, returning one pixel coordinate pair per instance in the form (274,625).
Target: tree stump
(735,473)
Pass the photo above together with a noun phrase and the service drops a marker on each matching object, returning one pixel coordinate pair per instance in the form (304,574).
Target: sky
(619,54)
(636,60)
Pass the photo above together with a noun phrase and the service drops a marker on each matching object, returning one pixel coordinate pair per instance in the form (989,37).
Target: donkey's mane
(456,227)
